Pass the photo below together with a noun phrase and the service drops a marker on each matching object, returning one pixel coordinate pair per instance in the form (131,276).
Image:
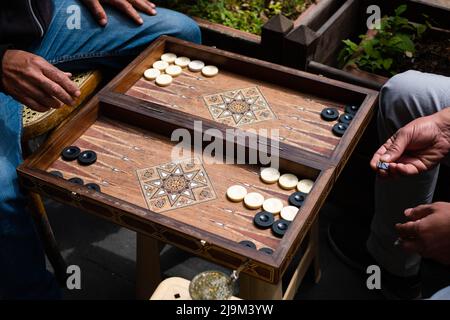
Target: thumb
(97,11)
(396,146)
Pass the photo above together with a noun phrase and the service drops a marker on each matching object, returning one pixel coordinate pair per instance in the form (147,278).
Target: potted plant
(316,43)
(398,45)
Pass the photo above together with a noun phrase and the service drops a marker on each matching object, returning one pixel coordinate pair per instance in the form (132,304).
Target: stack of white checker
(170,66)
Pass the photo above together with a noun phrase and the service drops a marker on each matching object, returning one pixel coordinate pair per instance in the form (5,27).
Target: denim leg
(22,264)
(92,46)
(405,97)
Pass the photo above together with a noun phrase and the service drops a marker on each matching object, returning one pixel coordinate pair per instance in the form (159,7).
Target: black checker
(297,198)
(266,250)
(248,244)
(280,227)
(339,129)
(87,157)
(263,220)
(352,109)
(76,180)
(329,114)
(70,153)
(346,118)
(56,174)
(93,186)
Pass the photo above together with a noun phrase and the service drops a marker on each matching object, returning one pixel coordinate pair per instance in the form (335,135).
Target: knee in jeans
(183,27)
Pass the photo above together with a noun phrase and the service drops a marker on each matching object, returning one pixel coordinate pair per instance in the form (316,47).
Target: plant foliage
(381,50)
(246,15)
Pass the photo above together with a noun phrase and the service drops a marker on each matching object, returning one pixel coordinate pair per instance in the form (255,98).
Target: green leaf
(351,44)
(387,63)
(401,43)
(421,28)
(401,9)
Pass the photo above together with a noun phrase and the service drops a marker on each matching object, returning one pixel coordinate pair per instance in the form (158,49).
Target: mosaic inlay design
(239,107)
(175,185)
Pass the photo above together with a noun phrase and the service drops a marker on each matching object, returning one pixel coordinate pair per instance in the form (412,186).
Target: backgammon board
(183,201)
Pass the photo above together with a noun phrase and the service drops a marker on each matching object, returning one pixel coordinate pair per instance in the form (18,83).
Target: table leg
(314,243)
(255,289)
(148,272)
(48,238)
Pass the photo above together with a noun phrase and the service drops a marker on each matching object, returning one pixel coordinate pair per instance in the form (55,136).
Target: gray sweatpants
(405,97)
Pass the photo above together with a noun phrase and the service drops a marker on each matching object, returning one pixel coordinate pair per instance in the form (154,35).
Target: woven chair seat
(37,123)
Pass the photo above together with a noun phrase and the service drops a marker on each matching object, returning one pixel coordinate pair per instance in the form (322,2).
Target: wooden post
(148,269)
(255,289)
(272,36)
(299,46)
(314,244)
(45,232)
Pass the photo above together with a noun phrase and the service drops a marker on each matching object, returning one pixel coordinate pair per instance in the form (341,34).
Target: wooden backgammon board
(129,126)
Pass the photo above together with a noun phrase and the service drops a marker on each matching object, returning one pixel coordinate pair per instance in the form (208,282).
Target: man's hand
(417,147)
(36,83)
(129,7)
(428,232)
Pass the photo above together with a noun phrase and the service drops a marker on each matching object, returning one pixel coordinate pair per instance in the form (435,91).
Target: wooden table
(130,124)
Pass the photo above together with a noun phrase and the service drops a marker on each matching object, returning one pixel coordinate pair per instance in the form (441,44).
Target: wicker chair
(37,124)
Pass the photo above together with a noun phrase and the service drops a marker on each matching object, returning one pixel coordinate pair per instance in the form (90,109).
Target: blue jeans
(23,274)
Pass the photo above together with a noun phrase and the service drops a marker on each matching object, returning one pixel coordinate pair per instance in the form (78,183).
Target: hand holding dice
(417,147)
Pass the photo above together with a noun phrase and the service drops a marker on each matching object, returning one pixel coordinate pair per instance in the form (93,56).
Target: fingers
(403,169)
(61,88)
(41,98)
(376,157)
(33,104)
(393,152)
(97,11)
(408,230)
(419,212)
(62,79)
(395,146)
(145,6)
(128,9)
(412,246)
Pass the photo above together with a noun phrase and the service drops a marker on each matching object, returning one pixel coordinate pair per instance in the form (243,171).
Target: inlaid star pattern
(239,107)
(175,185)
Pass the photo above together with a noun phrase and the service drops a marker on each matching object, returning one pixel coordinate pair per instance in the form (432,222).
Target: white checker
(164,80)
(182,61)
(288,181)
(169,57)
(254,200)
(273,205)
(289,213)
(270,175)
(305,185)
(236,193)
(196,65)
(210,71)
(174,71)
(160,65)
(151,74)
